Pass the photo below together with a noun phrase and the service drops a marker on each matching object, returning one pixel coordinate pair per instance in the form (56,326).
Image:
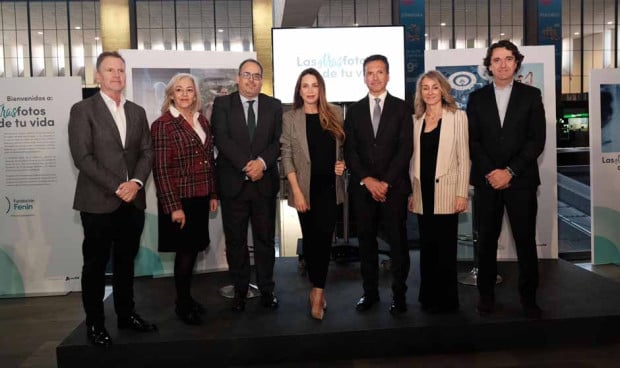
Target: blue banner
(550,31)
(412,18)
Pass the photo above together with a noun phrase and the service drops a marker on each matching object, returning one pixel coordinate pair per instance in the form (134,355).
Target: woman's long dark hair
(327,116)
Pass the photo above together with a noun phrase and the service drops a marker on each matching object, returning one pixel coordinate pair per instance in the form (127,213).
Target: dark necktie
(376,115)
(251,118)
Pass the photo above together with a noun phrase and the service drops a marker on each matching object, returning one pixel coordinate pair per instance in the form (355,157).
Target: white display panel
(604,108)
(466,74)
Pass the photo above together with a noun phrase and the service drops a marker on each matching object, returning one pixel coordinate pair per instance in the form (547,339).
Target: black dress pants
(317,227)
(390,217)
(521,206)
(438,270)
(250,205)
(119,233)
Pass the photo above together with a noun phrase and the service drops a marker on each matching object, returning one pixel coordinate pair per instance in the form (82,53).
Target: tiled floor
(31,328)
(574,229)
(611,271)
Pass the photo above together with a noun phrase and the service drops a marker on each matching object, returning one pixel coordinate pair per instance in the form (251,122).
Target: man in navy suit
(378,148)
(110,143)
(506,135)
(247,126)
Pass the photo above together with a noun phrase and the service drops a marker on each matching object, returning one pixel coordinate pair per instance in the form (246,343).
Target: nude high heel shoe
(317,304)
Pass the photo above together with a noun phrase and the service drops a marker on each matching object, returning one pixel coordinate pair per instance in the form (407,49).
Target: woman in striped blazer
(439,175)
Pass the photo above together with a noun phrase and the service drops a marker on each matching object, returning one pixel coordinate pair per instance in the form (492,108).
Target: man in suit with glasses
(247,126)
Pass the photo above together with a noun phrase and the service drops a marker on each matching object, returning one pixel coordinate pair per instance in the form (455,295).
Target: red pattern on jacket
(184,167)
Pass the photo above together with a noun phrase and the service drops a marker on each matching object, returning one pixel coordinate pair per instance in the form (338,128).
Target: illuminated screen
(338,54)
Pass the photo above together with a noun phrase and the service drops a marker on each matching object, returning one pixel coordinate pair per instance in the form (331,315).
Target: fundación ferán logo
(18,207)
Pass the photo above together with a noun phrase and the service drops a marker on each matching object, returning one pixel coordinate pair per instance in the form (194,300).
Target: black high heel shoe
(188,316)
(198,308)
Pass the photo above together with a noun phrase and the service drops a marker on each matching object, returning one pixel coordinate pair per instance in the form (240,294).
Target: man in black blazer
(378,148)
(247,127)
(110,143)
(506,135)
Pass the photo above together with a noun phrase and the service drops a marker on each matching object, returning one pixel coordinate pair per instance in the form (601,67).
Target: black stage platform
(581,308)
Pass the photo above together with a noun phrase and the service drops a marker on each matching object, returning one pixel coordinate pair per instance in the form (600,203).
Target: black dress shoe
(269,300)
(136,323)
(531,309)
(189,317)
(486,305)
(98,336)
(238,303)
(427,307)
(398,307)
(198,308)
(365,303)
(445,309)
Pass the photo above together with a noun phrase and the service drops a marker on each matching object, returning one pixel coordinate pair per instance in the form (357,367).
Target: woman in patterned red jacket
(184,173)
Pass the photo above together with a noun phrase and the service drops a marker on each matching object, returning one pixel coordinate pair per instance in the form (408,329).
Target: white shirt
(502,96)
(372,103)
(118,114)
(195,124)
(244,102)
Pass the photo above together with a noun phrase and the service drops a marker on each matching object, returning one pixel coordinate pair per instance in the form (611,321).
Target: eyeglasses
(248,75)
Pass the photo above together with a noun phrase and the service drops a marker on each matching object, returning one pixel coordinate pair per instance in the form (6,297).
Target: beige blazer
(296,155)
(452,170)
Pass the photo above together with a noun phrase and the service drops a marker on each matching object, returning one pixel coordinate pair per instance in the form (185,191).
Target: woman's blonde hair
(170,92)
(447,101)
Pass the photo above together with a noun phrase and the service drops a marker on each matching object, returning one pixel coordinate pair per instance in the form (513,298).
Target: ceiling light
(77,27)
(443,24)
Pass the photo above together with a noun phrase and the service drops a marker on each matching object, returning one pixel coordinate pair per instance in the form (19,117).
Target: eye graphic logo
(462,81)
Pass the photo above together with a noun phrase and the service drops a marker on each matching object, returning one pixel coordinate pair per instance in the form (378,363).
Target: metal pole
(471,277)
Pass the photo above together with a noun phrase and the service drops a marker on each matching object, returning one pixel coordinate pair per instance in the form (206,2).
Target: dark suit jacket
(386,156)
(516,144)
(100,157)
(235,148)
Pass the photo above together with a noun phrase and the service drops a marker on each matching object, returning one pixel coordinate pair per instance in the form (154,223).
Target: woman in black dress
(184,173)
(312,137)
(440,180)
